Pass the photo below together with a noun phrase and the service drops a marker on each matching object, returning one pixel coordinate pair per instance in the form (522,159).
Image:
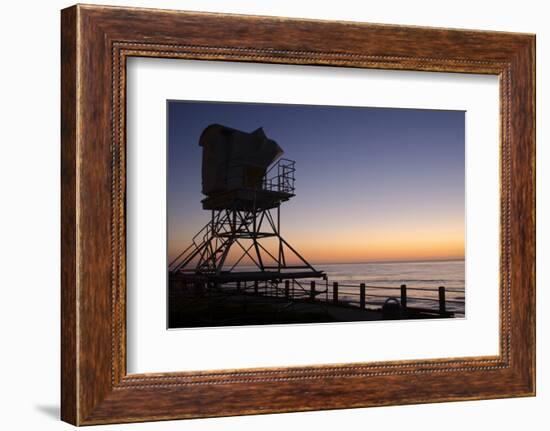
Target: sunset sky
(372,184)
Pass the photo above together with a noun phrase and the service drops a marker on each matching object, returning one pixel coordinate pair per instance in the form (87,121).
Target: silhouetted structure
(245,181)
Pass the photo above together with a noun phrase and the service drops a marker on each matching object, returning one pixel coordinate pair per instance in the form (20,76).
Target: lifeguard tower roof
(234,167)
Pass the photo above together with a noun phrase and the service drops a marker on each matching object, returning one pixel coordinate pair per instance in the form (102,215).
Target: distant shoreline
(367,262)
(391,261)
(377,262)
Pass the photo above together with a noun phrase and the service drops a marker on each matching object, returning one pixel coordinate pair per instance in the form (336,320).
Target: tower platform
(246,199)
(234,276)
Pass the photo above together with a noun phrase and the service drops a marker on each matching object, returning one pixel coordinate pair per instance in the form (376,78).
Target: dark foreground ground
(218,309)
(235,310)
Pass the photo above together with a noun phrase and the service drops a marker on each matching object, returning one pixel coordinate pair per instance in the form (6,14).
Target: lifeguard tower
(245,181)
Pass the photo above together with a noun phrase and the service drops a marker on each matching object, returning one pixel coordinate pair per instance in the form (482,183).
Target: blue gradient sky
(371,183)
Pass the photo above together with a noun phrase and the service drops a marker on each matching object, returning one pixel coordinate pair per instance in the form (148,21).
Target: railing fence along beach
(362,295)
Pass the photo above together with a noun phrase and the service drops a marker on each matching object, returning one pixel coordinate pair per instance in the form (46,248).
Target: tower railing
(280,176)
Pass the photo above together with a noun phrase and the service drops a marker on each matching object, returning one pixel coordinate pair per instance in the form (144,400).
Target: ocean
(383,280)
(378,276)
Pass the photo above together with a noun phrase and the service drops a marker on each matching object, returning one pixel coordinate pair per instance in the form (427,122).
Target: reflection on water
(422,274)
(378,276)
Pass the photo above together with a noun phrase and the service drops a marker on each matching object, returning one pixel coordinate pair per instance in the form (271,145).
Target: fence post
(287,289)
(403,296)
(442,305)
(335,292)
(312,291)
(238,286)
(362,296)
(256,286)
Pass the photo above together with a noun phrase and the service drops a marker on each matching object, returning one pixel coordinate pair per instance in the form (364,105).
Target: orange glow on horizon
(382,245)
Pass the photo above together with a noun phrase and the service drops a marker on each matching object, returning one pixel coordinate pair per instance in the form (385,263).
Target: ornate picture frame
(96,41)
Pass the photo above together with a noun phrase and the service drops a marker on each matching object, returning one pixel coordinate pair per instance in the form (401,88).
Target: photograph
(304,214)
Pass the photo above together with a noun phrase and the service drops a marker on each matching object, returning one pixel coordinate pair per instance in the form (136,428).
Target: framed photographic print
(238,267)
(280,207)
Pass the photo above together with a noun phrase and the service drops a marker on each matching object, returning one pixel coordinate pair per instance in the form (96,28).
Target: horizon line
(405,260)
(450,259)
